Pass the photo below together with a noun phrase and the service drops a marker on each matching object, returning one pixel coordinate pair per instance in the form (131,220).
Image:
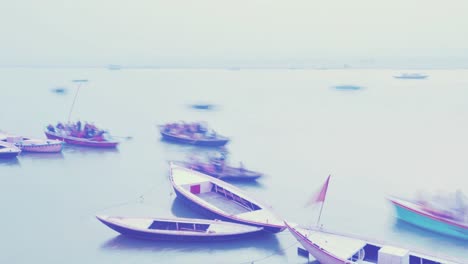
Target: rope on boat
(140,199)
(271,255)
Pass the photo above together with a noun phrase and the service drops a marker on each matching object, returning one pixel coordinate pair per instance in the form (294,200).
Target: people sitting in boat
(211,134)
(452,206)
(218,163)
(50,128)
(241,167)
(99,136)
(60,126)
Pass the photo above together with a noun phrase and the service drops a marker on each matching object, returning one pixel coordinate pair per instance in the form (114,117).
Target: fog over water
(221,33)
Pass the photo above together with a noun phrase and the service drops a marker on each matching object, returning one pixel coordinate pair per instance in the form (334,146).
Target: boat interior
(179,226)
(222,198)
(370,254)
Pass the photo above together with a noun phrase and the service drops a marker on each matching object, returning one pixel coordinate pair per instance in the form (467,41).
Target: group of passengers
(192,130)
(447,205)
(88,131)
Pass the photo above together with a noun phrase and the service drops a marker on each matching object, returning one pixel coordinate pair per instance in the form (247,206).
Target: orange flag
(319,197)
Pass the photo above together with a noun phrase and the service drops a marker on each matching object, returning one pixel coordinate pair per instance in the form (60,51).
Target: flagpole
(324,193)
(320,214)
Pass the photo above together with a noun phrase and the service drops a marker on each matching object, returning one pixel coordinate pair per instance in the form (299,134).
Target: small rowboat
(334,248)
(40,145)
(180,134)
(418,215)
(86,142)
(225,173)
(222,200)
(8,150)
(34,145)
(178,229)
(411,76)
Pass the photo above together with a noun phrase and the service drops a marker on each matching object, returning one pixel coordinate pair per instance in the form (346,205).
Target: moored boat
(178,229)
(8,150)
(222,171)
(35,145)
(89,136)
(222,200)
(411,76)
(334,248)
(444,221)
(193,134)
(41,145)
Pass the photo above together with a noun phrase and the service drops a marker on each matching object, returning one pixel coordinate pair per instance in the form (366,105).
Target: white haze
(221,33)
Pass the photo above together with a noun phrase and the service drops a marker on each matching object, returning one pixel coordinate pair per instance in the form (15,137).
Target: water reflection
(88,150)
(263,240)
(10,162)
(180,209)
(41,156)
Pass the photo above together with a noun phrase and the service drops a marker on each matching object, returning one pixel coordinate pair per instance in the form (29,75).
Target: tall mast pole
(80,82)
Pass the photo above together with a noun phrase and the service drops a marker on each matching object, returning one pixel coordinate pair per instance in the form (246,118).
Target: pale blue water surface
(390,137)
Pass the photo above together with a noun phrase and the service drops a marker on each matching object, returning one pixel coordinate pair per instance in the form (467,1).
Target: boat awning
(340,246)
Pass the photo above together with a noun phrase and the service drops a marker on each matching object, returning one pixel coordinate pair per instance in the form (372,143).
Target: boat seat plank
(227,205)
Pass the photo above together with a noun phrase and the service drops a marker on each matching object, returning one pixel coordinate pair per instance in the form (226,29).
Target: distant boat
(8,150)
(334,248)
(221,200)
(193,134)
(178,229)
(223,172)
(202,106)
(411,76)
(432,219)
(34,145)
(71,134)
(59,90)
(114,67)
(348,87)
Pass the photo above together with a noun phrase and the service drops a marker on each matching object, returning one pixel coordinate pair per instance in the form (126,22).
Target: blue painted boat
(220,200)
(178,229)
(223,172)
(183,133)
(8,150)
(416,76)
(418,215)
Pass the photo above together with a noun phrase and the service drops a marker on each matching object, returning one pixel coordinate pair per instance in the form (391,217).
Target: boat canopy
(339,246)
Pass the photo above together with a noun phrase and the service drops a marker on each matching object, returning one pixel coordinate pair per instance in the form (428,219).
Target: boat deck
(223,203)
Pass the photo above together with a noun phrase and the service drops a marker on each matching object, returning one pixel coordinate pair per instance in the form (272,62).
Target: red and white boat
(337,248)
(75,136)
(334,248)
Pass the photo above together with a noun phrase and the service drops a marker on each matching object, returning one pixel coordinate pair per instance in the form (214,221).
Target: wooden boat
(202,106)
(34,145)
(224,173)
(40,145)
(183,133)
(178,229)
(87,137)
(221,200)
(86,142)
(411,76)
(430,219)
(334,248)
(8,150)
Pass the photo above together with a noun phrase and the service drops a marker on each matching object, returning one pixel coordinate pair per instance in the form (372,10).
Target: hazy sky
(152,32)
